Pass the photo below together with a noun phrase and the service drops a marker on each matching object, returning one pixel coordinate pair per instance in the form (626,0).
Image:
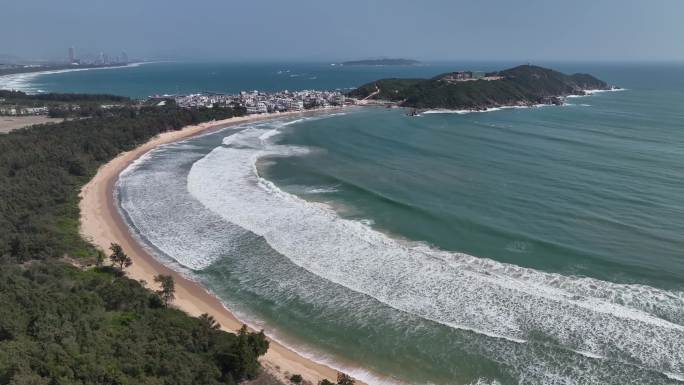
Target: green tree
(99,258)
(209,322)
(167,288)
(63,325)
(344,379)
(325,381)
(118,257)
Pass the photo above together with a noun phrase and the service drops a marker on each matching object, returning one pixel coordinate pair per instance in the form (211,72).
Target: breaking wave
(490,109)
(636,325)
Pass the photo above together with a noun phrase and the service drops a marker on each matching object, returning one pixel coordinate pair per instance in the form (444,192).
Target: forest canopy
(43,168)
(64,325)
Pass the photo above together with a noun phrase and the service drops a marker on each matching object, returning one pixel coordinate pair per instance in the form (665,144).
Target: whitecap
(322,190)
(637,324)
(490,109)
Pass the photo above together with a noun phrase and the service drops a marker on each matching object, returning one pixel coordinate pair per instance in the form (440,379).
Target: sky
(312,30)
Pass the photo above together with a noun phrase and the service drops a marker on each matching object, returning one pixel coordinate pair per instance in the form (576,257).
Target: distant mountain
(524,85)
(382,62)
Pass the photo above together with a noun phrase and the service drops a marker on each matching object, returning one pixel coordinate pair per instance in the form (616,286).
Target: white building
(262,108)
(295,105)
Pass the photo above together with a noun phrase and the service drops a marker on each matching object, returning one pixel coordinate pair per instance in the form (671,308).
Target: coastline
(588,93)
(102,224)
(25,77)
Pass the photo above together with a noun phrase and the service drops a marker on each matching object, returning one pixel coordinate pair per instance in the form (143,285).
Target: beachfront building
(262,108)
(295,105)
(256,102)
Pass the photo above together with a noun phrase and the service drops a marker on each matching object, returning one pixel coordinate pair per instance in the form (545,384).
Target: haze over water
(516,246)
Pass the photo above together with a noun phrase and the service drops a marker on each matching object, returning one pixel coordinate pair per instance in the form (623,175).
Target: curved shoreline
(27,76)
(101,223)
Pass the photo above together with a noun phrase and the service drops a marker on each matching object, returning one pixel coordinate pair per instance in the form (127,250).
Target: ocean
(159,78)
(518,246)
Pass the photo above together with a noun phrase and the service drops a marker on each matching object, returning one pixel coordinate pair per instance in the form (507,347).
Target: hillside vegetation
(522,85)
(63,325)
(43,168)
(64,105)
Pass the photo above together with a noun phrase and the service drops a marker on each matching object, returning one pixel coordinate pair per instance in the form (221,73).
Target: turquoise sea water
(532,246)
(185,78)
(158,78)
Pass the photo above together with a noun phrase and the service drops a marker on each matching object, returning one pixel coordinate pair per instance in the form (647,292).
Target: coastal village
(254,102)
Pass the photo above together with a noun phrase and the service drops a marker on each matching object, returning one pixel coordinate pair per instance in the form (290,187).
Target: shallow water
(517,246)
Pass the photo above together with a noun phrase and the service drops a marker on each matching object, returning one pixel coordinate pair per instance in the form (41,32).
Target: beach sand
(102,224)
(11,123)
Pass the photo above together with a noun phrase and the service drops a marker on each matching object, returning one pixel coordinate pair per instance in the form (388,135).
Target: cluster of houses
(256,102)
(11,110)
(464,76)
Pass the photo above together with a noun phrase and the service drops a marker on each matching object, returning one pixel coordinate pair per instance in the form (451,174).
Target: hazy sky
(347,29)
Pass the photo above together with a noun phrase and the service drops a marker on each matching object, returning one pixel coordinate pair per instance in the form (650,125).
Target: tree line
(63,325)
(43,168)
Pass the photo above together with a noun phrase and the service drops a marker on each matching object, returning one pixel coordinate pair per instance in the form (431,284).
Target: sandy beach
(102,224)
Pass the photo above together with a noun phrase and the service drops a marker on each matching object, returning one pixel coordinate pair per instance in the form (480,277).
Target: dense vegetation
(19,96)
(43,168)
(63,325)
(65,105)
(522,85)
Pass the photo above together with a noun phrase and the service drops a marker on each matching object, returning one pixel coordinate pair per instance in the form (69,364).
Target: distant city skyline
(608,30)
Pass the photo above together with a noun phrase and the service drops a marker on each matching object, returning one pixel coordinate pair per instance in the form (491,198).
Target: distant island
(382,62)
(525,85)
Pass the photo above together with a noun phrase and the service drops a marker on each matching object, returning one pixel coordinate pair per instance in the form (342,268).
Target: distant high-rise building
(72,55)
(101,59)
(124,57)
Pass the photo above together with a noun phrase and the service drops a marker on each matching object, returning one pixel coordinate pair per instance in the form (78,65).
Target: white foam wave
(631,323)
(484,381)
(24,81)
(268,134)
(673,376)
(146,207)
(322,190)
(593,92)
(491,109)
